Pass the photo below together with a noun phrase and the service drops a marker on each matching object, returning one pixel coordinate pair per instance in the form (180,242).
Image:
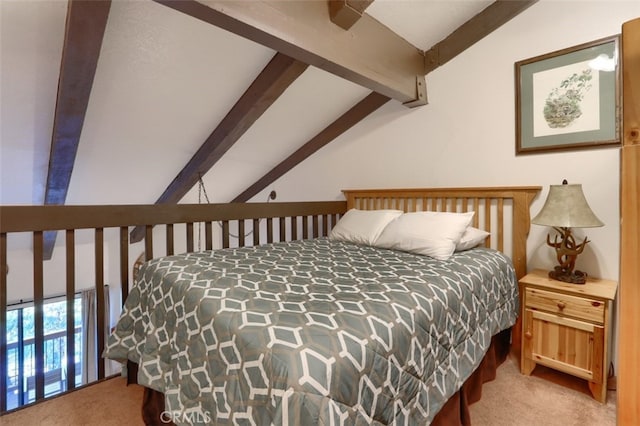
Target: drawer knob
(528,334)
(561,305)
(595,304)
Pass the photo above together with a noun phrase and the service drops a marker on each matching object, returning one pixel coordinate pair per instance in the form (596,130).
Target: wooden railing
(239,225)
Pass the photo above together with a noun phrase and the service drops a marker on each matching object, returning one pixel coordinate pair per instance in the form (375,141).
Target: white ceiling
(423,23)
(164,81)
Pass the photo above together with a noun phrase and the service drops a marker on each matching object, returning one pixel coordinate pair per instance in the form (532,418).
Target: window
(20,350)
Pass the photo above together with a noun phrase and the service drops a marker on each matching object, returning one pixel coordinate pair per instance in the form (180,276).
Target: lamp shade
(566,207)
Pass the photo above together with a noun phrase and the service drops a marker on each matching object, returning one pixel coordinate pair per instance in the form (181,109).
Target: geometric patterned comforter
(312,332)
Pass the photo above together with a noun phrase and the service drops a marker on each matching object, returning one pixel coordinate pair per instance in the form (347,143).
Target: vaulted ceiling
(131,101)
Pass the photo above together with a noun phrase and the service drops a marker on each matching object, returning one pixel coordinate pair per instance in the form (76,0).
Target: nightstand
(567,327)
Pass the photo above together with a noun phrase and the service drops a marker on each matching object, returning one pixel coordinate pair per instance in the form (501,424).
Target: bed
(328,331)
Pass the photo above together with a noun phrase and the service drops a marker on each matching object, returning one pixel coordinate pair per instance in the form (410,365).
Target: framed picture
(569,99)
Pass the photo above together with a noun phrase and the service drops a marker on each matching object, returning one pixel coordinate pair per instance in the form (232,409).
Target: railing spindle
(283,229)
(316,227)
(100,299)
(70,295)
(38,314)
(225,234)
(305,227)
(325,225)
(241,232)
(256,232)
(189,236)
(148,242)
(3,322)
(208,235)
(169,239)
(269,230)
(294,227)
(124,262)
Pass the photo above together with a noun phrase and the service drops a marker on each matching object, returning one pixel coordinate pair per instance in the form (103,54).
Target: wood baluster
(190,241)
(256,232)
(3,320)
(208,235)
(70,295)
(283,229)
(169,239)
(294,228)
(316,228)
(225,234)
(305,227)
(38,303)
(100,300)
(269,230)
(148,242)
(241,232)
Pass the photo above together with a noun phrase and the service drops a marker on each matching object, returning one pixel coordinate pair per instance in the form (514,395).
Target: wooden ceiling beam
(346,121)
(85,27)
(345,13)
(370,54)
(274,79)
(485,22)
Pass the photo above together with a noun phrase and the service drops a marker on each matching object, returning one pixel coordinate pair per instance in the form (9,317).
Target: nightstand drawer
(577,307)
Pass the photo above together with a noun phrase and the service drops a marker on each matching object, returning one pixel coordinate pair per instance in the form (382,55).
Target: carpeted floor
(510,400)
(109,403)
(516,400)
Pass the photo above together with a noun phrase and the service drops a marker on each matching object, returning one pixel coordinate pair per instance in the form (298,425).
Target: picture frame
(569,99)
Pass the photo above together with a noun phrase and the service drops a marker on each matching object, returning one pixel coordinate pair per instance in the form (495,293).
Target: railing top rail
(52,218)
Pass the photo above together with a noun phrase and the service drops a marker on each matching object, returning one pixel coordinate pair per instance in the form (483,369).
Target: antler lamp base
(567,251)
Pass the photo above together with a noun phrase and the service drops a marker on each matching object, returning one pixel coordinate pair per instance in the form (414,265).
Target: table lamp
(566,208)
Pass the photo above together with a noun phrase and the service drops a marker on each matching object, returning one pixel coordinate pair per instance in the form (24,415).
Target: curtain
(90,355)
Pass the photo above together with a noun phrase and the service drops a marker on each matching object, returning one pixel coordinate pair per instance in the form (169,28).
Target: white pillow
(433,234)
(471,238)
(362,226)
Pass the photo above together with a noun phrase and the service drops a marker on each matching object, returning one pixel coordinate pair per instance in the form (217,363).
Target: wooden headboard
(501,211)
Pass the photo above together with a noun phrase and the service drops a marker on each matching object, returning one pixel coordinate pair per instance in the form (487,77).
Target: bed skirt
(454,412)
